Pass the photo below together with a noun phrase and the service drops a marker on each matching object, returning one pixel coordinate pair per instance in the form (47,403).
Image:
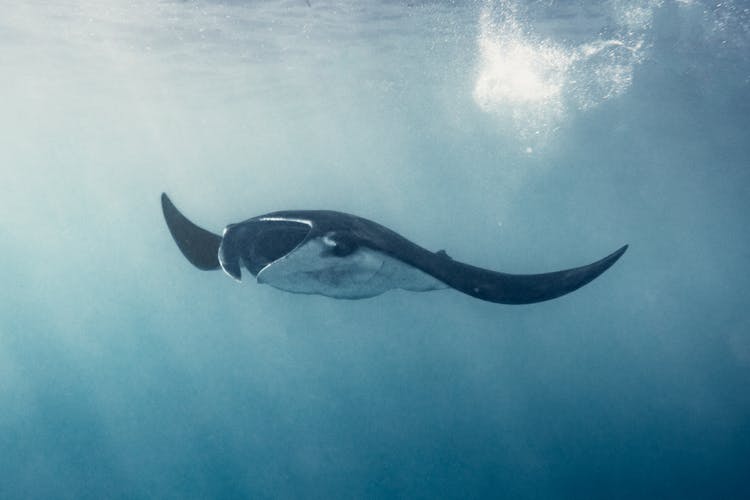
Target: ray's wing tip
(619,252)
(199,246)
(166,202)
(171,215)
(609,260)
(166,205)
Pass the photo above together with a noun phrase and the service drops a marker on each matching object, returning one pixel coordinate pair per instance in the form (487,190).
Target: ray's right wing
(505,288)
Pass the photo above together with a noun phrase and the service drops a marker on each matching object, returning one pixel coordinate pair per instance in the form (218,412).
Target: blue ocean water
(519,136)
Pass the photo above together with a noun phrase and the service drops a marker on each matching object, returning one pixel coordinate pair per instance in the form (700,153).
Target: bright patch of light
(516,70)
(532,82)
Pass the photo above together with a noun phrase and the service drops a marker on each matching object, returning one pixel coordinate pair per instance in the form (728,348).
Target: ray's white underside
(312,269)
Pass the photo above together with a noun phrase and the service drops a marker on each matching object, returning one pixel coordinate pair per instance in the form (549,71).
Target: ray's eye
(339,245)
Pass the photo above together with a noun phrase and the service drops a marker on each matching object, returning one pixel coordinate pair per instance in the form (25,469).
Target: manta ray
(344,256)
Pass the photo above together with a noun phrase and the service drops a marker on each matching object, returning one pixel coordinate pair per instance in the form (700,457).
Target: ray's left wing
(199,246)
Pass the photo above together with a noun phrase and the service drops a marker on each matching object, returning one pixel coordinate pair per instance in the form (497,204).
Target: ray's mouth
(259,243)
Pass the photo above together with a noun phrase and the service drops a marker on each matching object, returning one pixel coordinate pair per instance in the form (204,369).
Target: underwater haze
(519,136)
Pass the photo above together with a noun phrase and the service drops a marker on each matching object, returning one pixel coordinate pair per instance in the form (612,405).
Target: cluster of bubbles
(534,78)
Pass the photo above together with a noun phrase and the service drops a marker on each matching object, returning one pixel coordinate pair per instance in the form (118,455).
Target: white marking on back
(287,219)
